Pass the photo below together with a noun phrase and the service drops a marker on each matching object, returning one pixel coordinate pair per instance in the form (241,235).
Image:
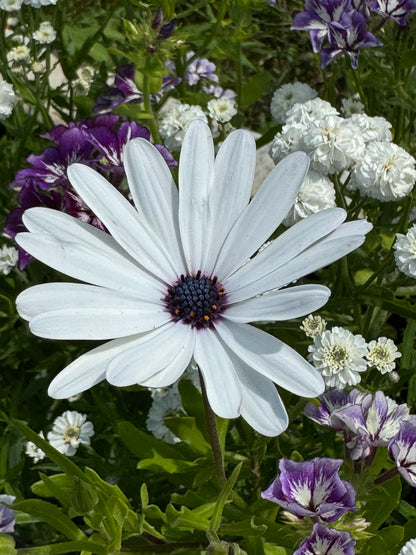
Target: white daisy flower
(19,55)
(70,431)
(221,109)
(382,354)
(313,325)
(11,5)
(385,172)
(46,34)
(8,259)
(405,252)
(287,96)
(35,452)
(174,278)
(339,356)
(176,122)
(310,112)
(166,404)
(317,193)
(409,548)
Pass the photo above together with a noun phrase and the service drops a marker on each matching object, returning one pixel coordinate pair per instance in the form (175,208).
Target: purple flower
(373,426)
(219,92)
(312,488)
(348,36)
(318,17)
(398,10)
(330,404)
(7,520)
(199,68)
(402,449)
(324,541)
(362,6)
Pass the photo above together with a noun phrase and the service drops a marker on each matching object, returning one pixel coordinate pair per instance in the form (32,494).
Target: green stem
(151,123)
(387,475)
(211,423)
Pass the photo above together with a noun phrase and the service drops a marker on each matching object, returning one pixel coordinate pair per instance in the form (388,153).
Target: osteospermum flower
(312,488)
(174,280)
(339,356)
(70,431)
(405,252)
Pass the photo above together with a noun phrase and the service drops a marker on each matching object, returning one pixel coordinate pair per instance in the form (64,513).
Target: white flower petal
(149,354)
(122,220)
(233,180)
(87,370)
(81,262)
(219,373)
(283,249)
(196,167)
(263,215)
(272,358)
(155,195)
(175,369)
(279,305)
(60,296)
(262,407)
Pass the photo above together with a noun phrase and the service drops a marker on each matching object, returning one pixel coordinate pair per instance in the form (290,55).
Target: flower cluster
(405,252)
(357,148)
(339,27)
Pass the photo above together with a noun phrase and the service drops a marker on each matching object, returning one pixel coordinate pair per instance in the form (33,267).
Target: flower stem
(211,423)
(387,475)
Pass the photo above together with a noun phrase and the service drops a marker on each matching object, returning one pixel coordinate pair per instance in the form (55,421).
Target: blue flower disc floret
(196,300)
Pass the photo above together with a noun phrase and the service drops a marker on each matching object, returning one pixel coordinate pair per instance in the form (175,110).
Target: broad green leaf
(51,514)
(381,502)
(185,518)
(243,528)
(274,550)
(143,445)
(58,486)
(255,87)
(171,466)
(192,403)
(184,427)
(387,541)
(7,545)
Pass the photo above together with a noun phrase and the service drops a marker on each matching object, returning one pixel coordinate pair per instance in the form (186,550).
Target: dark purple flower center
(196,300)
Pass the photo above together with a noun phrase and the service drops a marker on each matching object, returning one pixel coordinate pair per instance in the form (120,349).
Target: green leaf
(143,445)
(171,466)
(7,545)
(255,87)
(184,427)
(193,404)
(58,486)
(223,498)
(387,541)
(187,519)
(242,528)
(381,296)
(51,514)
(381,502)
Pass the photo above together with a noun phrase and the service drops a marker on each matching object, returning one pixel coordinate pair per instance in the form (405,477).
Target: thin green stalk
(210,420)
(151,123)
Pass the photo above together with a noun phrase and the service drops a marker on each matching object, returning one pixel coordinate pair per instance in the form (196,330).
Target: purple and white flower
(312,488)
(7,519)
(326,541)
(402,450)
(139,275)
(331,402)
(397,10)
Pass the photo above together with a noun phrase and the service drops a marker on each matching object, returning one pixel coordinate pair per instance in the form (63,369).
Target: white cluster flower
(166,402)
(40,3)
(409,548)
(7,99)
(11,5)
(351,106)
(287,96)
(405,252)
(382,354)
(221,109)
(372,128)
(339,356)
(333,144)
(46,34)
(385,172)
(82,84)
(313,325)
(316,193)
(70,431)
(35,452)
(38,67)
(176,122)
(289,140)
(19,57)
(310,111)
(8,259)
